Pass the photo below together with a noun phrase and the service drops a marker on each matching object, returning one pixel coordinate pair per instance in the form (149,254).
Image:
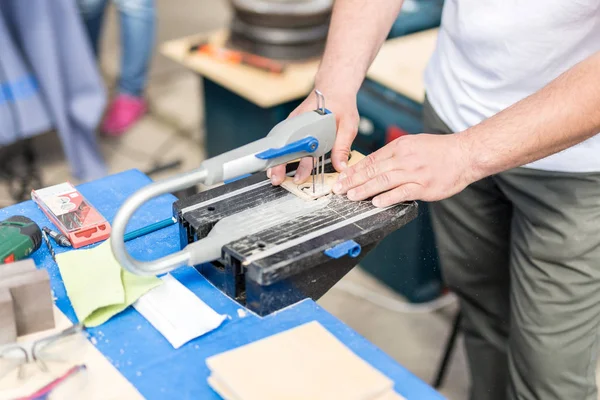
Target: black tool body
(303,257)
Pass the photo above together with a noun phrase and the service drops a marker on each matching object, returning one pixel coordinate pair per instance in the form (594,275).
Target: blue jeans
(138,25)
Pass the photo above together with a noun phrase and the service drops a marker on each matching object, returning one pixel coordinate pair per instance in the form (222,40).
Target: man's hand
(343,106)
(414,167)
(356,32)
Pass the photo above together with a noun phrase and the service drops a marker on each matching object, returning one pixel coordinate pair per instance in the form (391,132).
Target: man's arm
(562,114)
(356,32)
(434,167)
(358,29)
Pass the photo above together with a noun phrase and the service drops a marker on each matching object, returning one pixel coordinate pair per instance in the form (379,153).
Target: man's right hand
(343,106)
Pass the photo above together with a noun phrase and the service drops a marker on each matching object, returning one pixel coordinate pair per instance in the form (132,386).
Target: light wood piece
(8,328)
(306,362)
(401,63)
(391,395)
(31,296)
(261,88)
(304,190)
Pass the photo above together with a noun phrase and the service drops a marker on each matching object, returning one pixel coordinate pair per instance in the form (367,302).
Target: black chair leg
(450,344)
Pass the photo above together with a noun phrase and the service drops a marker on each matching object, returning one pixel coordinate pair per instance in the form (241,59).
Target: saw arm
(310,134)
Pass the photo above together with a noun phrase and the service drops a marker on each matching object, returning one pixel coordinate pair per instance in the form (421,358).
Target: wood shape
(306,362)
(15,268)
(31,295)
(220,388)
(391,395)
(304,190)
(8,328)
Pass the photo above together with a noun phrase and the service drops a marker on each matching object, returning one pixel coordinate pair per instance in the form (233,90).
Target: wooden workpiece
(399,66)
(304,190)
(31,296)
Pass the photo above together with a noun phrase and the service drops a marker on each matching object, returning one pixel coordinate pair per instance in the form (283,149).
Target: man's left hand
(414,167)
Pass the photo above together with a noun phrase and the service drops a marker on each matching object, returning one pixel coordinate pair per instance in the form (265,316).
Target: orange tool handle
(239,57)
(262,62)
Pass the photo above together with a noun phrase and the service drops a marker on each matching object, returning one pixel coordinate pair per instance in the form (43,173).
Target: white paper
(177,313)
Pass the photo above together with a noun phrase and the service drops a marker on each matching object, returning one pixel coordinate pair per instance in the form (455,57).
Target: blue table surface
(144,356)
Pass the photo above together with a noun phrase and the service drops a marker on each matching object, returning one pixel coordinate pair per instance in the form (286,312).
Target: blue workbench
(141,353)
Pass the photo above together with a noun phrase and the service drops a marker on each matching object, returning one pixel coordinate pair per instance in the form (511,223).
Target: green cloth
(97,285)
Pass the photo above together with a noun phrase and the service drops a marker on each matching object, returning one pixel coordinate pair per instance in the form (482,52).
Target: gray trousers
(521,249)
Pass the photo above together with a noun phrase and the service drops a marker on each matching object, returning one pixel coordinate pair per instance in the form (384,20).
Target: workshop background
(173,135)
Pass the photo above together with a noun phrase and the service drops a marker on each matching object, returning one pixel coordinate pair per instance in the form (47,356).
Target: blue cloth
(138,28)
(144,356)
(45,39)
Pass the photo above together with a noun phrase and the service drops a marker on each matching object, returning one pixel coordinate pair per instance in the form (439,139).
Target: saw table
(275,266)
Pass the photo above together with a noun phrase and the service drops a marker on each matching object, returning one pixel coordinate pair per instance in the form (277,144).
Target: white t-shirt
(491,54)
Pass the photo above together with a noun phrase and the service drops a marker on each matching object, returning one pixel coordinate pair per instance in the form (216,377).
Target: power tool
(262,245)
(310,134)
(19,237)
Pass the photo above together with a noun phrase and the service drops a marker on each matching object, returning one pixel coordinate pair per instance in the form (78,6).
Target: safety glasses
(61,347)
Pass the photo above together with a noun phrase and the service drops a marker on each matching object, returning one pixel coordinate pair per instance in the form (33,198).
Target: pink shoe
(123,113)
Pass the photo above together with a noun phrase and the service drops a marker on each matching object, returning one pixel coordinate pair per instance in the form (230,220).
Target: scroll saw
(266,246)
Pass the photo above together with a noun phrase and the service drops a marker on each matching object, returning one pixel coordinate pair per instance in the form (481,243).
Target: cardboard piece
(306,362)
(304,190)
(31,296)
(8,328)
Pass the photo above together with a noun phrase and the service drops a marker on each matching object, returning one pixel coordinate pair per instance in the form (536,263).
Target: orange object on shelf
(239,57)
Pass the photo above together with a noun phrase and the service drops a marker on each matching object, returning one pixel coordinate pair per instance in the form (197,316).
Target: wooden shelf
(399,65)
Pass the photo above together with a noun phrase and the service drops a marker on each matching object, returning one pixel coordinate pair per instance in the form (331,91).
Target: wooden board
(401,63)
(8,326)
(304,190)
(261,88)
(31,295)
(220,388)
(104,382)
(305,362)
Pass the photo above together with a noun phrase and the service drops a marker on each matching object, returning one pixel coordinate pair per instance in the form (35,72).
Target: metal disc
(298,52)
(281,36)
(292,14)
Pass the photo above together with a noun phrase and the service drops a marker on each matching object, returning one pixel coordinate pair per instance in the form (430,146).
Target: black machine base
(301,258)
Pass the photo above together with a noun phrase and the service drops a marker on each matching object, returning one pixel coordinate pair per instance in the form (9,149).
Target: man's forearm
(357,30)
(562,114)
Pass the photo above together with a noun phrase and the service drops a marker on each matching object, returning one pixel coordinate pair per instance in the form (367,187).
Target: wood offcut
(29,289)
(305,190)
